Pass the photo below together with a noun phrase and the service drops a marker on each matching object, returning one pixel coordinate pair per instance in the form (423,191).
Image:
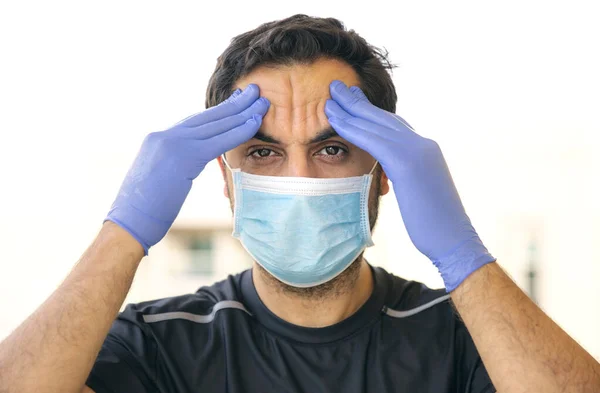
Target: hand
(161,176)
(429,203)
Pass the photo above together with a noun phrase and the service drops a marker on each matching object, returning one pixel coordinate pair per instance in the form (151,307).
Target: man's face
(295,138)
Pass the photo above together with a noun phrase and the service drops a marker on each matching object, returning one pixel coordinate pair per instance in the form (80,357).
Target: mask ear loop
(238,197)
(226,163)
(370,172)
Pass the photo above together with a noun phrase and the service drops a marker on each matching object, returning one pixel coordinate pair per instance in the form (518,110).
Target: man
(301,120)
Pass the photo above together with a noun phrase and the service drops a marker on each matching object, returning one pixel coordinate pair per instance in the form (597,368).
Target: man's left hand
(431,208)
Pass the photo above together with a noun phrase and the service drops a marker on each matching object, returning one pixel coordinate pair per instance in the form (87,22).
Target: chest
(255,361)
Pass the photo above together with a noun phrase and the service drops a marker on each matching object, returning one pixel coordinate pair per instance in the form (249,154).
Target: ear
(385,184)
(224,173)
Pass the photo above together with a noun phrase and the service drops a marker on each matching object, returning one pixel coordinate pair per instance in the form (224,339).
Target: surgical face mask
(303,231)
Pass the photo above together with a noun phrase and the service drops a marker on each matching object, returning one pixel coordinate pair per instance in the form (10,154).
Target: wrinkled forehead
(298,94)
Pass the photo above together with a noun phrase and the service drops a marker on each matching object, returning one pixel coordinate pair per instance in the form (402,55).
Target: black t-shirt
(405,338)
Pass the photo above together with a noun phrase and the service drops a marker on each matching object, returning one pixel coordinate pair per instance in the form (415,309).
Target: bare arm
(522,348)
(55,348)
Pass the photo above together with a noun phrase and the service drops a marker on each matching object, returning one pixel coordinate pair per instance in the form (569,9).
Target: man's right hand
(161,176)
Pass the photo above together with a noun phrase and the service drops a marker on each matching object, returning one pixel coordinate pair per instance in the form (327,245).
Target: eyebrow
(320,137)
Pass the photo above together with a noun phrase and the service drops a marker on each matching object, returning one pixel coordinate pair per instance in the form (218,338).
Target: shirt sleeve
(479,380)
(470,368)
(127,359)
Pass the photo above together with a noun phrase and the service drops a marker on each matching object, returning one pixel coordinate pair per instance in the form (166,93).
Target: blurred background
(510,90)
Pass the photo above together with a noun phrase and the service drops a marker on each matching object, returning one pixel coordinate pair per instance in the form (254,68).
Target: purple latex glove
(433,214)
(161,176)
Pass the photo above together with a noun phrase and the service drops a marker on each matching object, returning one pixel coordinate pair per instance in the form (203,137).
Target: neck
(326,309)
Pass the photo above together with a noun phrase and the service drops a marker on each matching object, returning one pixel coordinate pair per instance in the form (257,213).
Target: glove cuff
(128,230)
(146,230)
(462,262)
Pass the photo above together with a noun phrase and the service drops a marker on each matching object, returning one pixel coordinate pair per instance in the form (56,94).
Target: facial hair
(345,281)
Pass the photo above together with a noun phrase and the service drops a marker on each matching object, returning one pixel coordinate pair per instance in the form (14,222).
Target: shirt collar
(366,315)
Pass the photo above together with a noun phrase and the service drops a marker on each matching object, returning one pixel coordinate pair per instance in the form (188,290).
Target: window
(200,258)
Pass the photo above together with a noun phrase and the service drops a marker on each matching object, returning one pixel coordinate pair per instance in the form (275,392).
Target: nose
(299,165)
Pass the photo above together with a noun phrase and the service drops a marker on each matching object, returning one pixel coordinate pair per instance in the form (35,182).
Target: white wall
(162,274)
(509,90)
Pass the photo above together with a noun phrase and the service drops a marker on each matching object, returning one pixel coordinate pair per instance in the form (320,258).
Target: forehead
(299,83)
(298,94)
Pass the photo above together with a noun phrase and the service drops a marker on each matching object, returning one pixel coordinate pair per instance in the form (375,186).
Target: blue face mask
(303,231)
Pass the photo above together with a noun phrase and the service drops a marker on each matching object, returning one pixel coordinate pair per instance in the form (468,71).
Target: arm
(523,350)
(55,348)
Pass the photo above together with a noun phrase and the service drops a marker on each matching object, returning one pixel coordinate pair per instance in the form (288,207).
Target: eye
(261,153)
(332,151)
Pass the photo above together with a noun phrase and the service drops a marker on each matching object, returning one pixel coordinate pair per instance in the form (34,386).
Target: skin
(522,348)
(295,118)
(55,348)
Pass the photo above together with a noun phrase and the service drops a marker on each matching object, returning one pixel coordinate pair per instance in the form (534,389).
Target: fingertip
(251,89)
(263,106)
(266,101)
(255,119)
(332,104)
(333,109)
(339,91)
(337,84)
(248,130)
(328,104)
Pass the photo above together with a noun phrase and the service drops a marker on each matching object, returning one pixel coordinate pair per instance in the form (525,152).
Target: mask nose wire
(374,166)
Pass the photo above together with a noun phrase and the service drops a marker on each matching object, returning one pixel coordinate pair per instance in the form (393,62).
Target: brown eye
(261,153)
(332,150)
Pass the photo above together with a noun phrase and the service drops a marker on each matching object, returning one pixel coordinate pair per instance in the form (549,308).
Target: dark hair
(303,39)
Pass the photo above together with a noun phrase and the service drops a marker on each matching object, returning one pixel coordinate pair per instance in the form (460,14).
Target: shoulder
(415,301)
(428,316)
(430,324)
(198,307)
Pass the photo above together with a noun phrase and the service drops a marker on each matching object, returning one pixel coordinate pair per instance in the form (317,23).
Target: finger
(369,142)
(358,92)
(235,93)
(209,130)
(219,144)
(359,106)
(332,109)
(361,95)
(356,104)
(231,106)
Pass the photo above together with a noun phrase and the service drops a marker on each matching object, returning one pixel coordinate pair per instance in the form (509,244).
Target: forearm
(55,348)
(522,348)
